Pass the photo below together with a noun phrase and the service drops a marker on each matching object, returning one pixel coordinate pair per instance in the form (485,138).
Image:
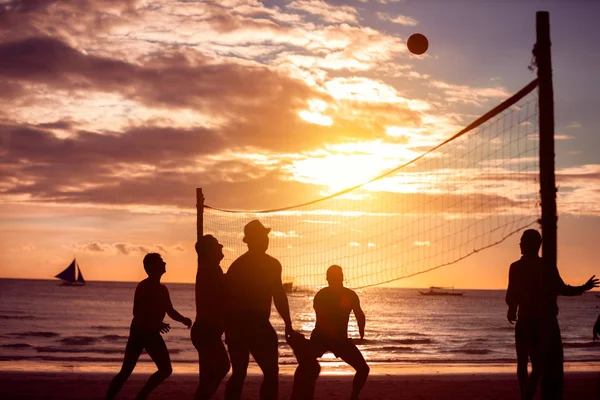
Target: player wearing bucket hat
(255,229)
(253,282)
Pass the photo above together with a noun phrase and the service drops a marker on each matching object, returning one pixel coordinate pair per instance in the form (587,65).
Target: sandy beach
(485,386)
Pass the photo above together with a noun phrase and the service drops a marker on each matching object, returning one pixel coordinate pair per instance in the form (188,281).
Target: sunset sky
(113,112)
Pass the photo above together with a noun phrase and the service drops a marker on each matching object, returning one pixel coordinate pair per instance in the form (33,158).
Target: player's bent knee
(238,374)
(166,371)
(125,372)
(364,369)
(223,370)
(271,373)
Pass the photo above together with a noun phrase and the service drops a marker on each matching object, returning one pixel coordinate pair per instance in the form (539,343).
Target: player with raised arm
(533,288)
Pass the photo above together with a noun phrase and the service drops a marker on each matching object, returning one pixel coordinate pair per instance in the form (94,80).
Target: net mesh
(466,194)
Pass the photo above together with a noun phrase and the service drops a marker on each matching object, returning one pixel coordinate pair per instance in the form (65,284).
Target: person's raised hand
(164,328)
(591,283)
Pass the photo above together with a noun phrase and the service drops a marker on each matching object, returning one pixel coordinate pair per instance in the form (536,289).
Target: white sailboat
(72,275)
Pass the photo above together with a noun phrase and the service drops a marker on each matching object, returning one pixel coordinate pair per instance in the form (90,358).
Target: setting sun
(340,171)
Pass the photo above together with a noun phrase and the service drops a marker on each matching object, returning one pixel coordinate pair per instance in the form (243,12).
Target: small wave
(581,345)
(36,334)
(412,341)
(16,345)
(415,334)
(19,317)
(472,351)
(504,328)
(51,349)
(15,358)
(73,359)
(112,338)
(106,328)
(78,340)
(392,349)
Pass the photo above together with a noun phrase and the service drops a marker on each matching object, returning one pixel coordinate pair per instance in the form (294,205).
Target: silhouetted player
(333,306)
(596,330)
(210,321)
(150,304)
(532,291)
(252,281)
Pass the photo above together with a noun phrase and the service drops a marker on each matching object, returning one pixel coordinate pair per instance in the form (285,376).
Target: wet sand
(485,386)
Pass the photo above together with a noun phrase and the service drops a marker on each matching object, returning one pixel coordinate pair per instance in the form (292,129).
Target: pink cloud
(124,248)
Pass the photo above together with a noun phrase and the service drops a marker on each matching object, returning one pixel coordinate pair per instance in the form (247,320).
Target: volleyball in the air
(417,43)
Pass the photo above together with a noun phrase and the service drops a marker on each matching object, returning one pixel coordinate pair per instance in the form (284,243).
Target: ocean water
(46,326)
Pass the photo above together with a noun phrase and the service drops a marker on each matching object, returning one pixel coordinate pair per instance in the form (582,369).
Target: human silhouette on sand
(253,279)
(532,293)
(210,320)
(150,303)
(333,306)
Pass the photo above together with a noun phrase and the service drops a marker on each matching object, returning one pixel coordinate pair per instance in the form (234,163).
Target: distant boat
(72,275)
(441,291)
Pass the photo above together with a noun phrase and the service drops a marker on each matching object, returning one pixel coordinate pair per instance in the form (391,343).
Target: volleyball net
(463,195)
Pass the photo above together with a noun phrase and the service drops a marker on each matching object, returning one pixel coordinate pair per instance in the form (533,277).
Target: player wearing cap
(253,280)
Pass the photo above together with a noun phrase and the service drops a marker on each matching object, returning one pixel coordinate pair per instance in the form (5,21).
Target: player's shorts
(206,335)
(302,348)
(340,347)
(527,337)
(251,334)
(151,341)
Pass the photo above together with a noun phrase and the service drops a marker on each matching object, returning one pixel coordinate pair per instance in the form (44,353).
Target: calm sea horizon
(49,327)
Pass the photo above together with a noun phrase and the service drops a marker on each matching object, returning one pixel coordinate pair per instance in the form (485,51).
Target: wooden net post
(546,119)
(199,214)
